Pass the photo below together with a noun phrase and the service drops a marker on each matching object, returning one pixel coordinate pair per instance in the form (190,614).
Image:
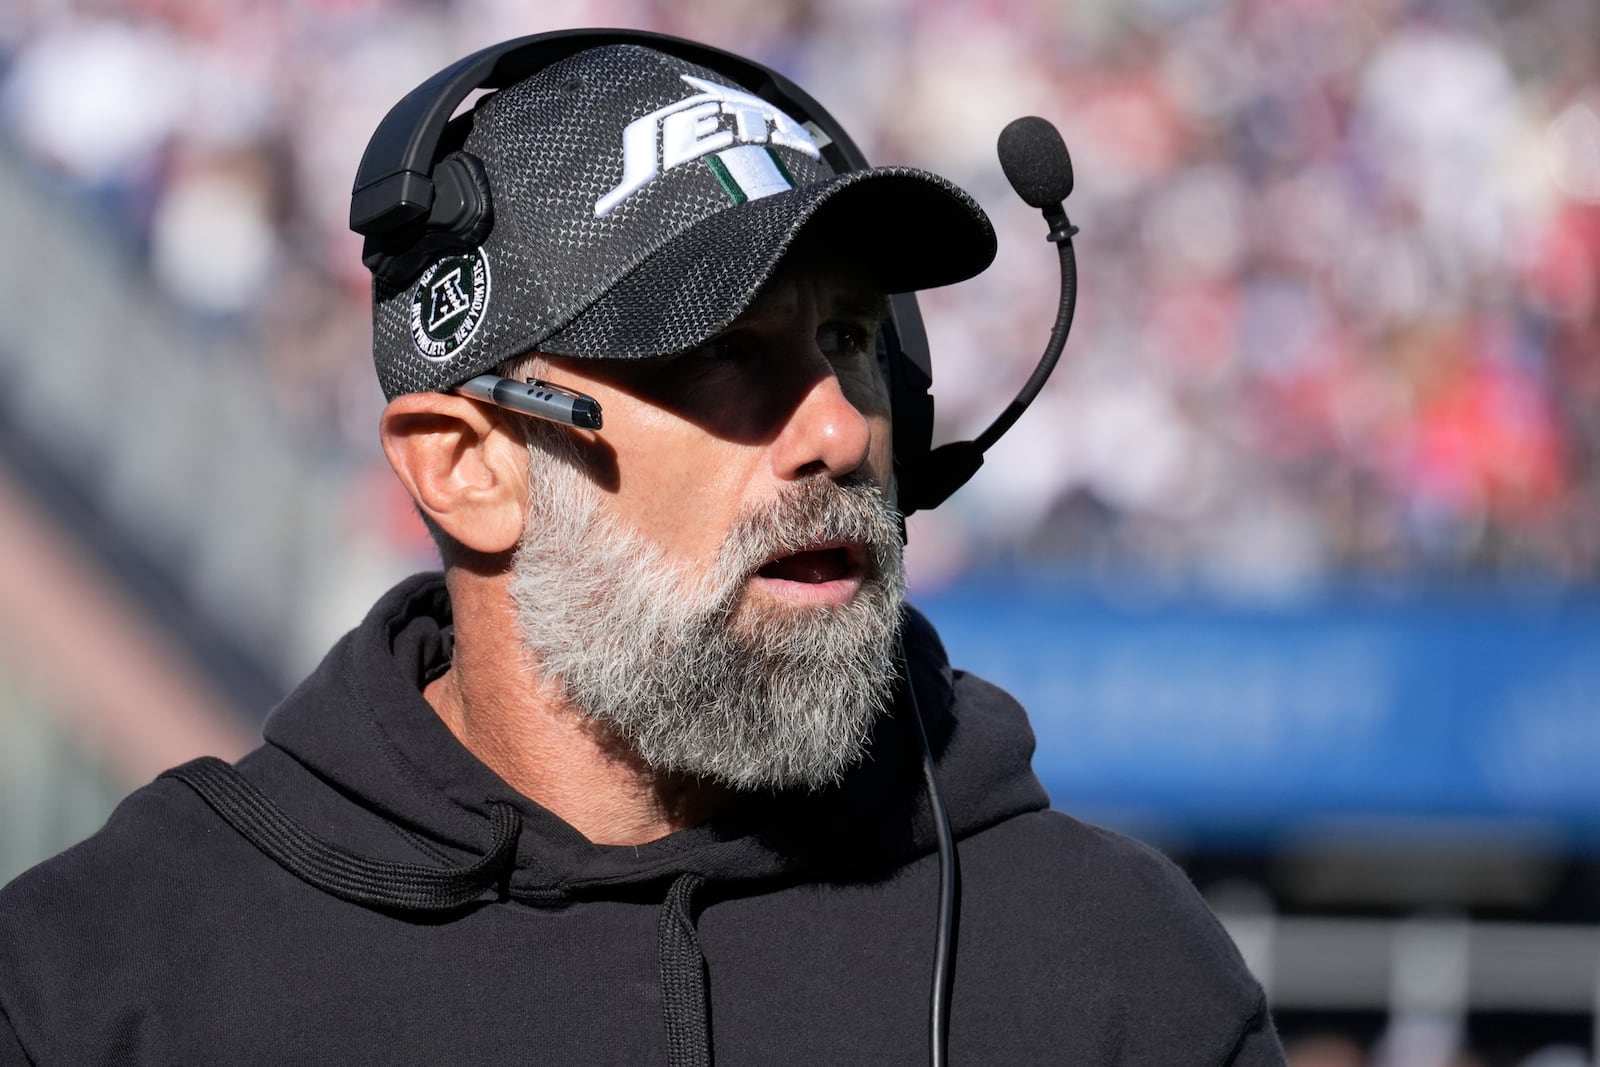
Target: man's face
(716,576)
(791,391)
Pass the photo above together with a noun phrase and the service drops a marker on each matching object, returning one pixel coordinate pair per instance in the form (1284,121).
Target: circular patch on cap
(448,303)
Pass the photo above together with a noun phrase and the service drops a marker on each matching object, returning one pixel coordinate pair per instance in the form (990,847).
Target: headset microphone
(1036,163)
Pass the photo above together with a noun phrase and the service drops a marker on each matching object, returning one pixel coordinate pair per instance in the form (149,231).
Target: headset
(417,194)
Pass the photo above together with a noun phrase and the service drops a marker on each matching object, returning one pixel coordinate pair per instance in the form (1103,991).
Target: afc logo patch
(448,303)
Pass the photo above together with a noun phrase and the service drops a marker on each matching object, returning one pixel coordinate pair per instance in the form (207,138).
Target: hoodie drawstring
(340,872)
(414,887)
(683,977)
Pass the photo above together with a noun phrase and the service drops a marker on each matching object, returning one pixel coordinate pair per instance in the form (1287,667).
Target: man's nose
(825,432)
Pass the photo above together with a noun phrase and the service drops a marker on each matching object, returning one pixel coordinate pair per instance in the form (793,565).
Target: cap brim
(907,229)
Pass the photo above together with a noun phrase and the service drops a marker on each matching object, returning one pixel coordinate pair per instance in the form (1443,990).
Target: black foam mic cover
(1035,161)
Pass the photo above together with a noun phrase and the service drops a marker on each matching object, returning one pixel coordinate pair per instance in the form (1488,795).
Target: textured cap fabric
(639,204)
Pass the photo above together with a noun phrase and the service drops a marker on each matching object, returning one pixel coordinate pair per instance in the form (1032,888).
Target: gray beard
(691,674)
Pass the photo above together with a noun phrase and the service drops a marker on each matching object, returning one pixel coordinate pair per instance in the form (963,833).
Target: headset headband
(394,184)
(395,192)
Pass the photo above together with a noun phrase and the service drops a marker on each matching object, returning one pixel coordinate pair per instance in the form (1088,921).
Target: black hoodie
(367,892)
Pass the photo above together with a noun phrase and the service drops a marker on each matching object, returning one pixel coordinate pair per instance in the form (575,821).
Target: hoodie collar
(361,724)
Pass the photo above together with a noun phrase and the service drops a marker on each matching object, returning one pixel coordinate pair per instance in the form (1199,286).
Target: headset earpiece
(462,206)
(460,217)
(909,370)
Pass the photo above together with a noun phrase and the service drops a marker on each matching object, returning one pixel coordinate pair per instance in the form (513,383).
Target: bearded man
(638,779)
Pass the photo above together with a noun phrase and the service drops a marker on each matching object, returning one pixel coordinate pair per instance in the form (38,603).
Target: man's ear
(465,467)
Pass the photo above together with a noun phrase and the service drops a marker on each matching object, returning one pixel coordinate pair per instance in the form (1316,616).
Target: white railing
(1439,968)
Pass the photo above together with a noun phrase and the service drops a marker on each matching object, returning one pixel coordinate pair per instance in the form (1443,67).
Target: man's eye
(722,350)
(719,354)
(844,339)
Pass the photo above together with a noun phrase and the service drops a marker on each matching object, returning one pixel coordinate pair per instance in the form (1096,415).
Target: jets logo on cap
(735,128)
(448,303)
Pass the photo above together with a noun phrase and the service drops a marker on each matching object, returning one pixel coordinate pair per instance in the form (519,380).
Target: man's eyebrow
(862,304)
(847,302)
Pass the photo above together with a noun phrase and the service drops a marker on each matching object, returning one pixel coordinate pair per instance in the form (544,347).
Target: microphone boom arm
(1039,169)
(1061,233)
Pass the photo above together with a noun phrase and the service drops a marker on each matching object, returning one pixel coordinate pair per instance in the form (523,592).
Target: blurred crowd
(1338,311)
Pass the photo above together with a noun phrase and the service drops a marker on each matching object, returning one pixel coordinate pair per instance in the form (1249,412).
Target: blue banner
(1474,711)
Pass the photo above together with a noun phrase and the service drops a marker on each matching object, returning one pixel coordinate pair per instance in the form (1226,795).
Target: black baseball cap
(640,202)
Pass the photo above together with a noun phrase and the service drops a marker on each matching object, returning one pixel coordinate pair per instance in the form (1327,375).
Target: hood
(360,727)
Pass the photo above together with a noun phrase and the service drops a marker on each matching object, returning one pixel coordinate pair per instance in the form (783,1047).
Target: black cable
(949,886)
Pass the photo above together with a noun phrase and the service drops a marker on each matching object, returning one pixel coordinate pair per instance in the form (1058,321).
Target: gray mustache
(816,511)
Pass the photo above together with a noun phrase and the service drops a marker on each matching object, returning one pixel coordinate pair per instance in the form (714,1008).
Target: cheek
(682,494)
(881,459)
(869,392)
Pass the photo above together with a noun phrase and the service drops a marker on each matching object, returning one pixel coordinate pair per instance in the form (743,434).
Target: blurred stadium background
(1295,561)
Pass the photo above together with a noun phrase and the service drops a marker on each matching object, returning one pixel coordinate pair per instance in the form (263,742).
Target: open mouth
(816,566)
